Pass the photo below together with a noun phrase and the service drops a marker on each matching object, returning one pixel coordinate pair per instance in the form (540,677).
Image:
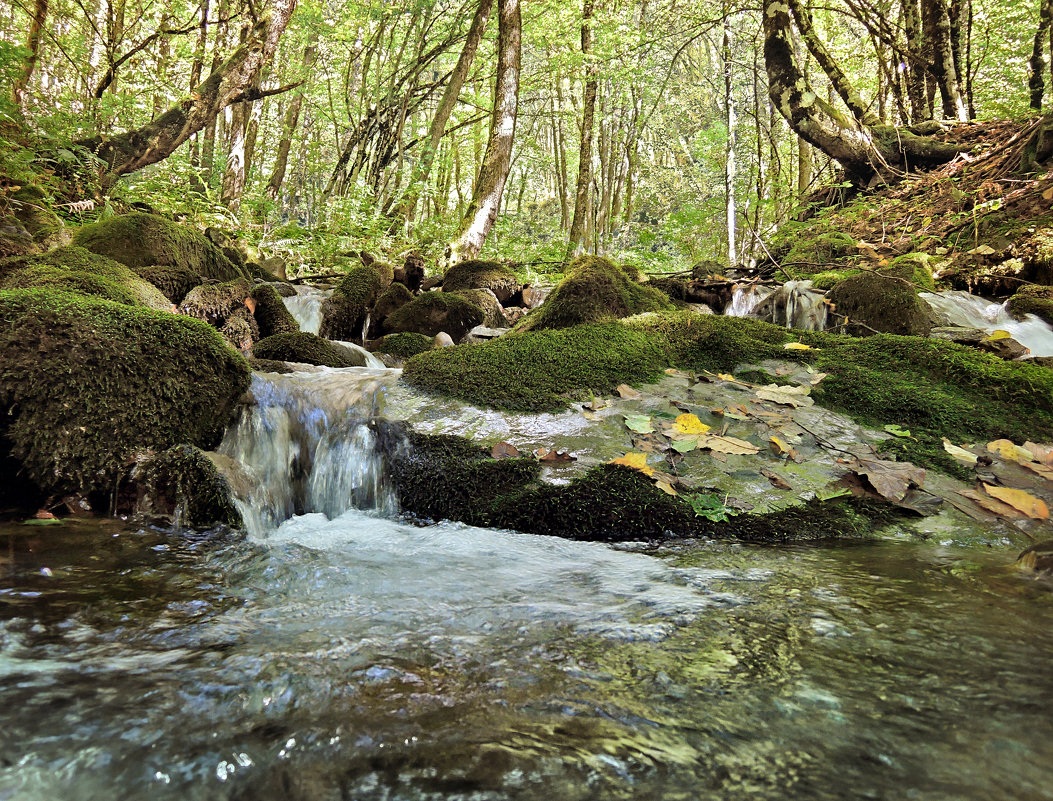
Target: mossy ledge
(932,387)
(183,484)
(448,477)
(86,383)
(308,349)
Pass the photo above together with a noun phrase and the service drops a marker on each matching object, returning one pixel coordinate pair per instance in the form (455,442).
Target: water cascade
(795,304)
(744,298)
(970,311)
(306,307)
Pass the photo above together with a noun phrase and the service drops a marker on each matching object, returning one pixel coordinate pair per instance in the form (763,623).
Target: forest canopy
(667,133)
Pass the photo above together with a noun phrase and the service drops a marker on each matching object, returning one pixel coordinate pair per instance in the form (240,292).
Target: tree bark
(576,238)
(1036,82)
(292,120)
(158,139)
(730,165)
(486,197)
(936,22)
(408,202)
(863,151)
(36,26)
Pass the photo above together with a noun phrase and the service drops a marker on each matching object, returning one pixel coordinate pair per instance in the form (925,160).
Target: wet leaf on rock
(628,393)
(776,480)
(890,480)
(637,461)
(504,450)
(727,445)
(1007,450)
(1044,453)
(689,424)
(1025,502)
(961,454)
(992,505)
(897,431)
(640,423)
(786,396)
(797,346)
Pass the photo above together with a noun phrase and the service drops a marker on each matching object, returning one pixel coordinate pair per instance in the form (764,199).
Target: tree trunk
(292,120)
(730,166)
(936,21)
(408,203)
(36,26)
(863,151)
(158,139)
(915,76)
(486,197)
(1036,65)
(576,238)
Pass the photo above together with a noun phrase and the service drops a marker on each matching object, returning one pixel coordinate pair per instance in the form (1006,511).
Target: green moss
(307,348)
(812,246)
(214,303)
(75,269)
(433,312)
(391,299)
(240,329)
(140,240)
(595,290)
(86,382)
(271,314)
(492,275)
(1033,299)
(828,279)
(486,300)
(539,370)
(868,303)
(404,345)
(914,267)
(344,313)
(269,365)
(184,484)
(174,281)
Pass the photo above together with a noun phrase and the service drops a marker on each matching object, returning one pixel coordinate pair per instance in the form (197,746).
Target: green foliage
(307,348)
(710,506)
(132,378)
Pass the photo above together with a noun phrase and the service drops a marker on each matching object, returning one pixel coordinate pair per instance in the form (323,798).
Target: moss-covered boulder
(1033,299)
(433,312)
(411,273)
(214,303)
(183,485)
(33,210)
(140,240)
(492,275)
(174,281)
(240,330)
(493,312)
(594,290)
(86,382)
(75,269)
(871,303)
(404,345)
(271,314)
(391,300)
(308,349)
(344,312)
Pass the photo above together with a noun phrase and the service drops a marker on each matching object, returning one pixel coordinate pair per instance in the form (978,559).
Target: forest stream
(335,651)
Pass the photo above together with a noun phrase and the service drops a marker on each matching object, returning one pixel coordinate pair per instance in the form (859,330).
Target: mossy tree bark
(936,21)
(36,26)
(576,239)
(1036,82)
(227,84)
(864,151)
(493,172)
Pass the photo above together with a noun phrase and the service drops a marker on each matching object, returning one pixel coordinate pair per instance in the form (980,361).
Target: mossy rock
(215,303)
(828,279)
(914,267)
(271,314)
(594,290)
(33,210)
(391,300)
(403,345)
(540,370)
(75,269)
(492,275)
(386,271)
(270,365)
(140,240)
(15,240)
(433,312)
(183,484)
(131,379)
(810,247)
(493,313)
(869,303)
(344,312)
(1033,299)
(411,273)
(240,330)
(308,349)
(174,281)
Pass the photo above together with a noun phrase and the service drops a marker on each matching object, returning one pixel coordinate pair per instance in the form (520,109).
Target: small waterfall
(306,307)
(744,298)
(309,443)
(970,311)
(370,360)
(795,304)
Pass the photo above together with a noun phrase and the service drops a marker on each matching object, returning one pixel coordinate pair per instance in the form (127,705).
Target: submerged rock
(183,484)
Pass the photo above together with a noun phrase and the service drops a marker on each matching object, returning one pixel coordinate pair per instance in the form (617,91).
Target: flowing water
(970,311)
(336,652)
(306,307)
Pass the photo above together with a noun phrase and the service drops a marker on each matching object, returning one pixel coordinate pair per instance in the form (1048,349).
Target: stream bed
(363,658)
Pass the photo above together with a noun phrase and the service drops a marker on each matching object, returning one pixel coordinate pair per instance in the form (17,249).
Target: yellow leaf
(666,487)
(1007,450)
(689,424)
(727,445)
(960,454)
(778,446)
(637,461)
(994,336)
(1024,501)
(726,377)
(797,346)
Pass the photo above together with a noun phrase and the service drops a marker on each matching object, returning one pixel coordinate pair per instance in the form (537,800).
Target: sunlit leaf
(640,423)
(797,346)
(897,431)
(1023,501)
(1007,450)
(689,424)
(637,461)
(960,454)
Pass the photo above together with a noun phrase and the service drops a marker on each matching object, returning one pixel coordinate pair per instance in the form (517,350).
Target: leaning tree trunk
(490,183)
(292,120)
(864,151)
(229,83)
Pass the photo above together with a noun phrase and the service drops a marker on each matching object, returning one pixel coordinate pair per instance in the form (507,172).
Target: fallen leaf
(590,416)
(778,446)
(890,480)
(595,404)
(1048,194)
(558,456)
(797,346)
(1040,469)
(726,377)
(960,454)
(628,393)
(727,444)
(504,450)
(992,505)
(1025,502)
(689,424)
(666,487)
(776,480)
(679,374)
(815,379)
(640,423)
(685,445)
(994,336)
(1044,453)
(897,431)
(1007,450)
(637,461)
(786,396)
(651,443)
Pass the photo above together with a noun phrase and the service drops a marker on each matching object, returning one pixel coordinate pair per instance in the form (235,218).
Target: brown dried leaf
(504,450)
(890,480)
(776,480)
(557,456)
(724,444)
(1033,507)
(992,505)
(628,393)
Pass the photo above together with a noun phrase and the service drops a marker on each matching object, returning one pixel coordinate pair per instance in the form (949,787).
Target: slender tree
(576,238)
